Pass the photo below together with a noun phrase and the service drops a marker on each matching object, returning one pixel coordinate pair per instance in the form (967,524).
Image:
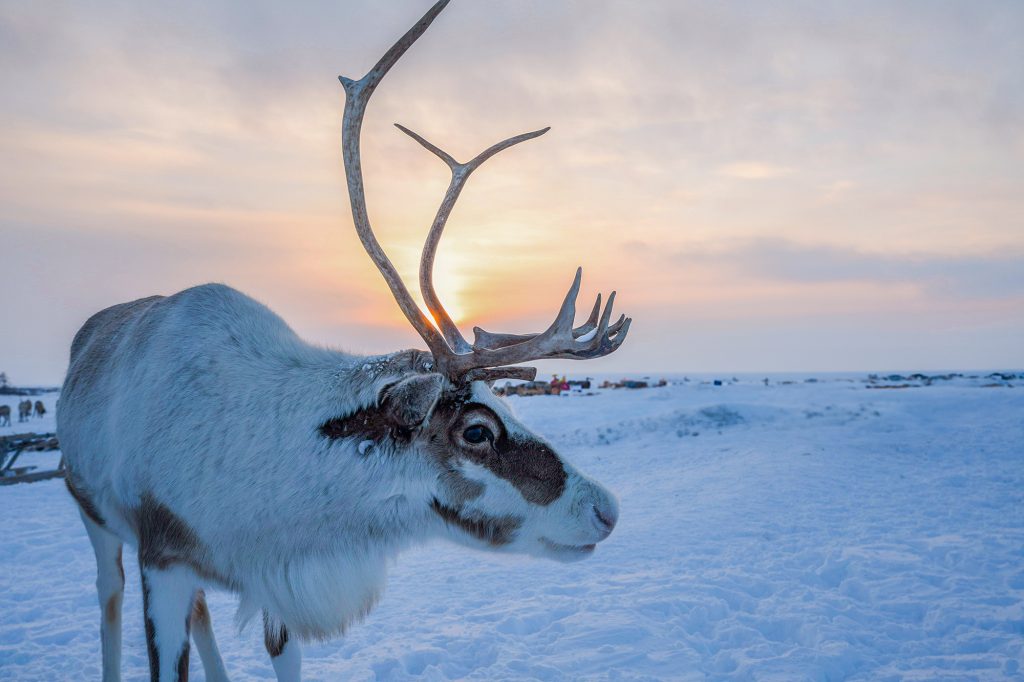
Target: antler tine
(460,174)
(567,313)
(606,316)
(368,83)
(357,96)
(591,322)
(485,339)
(502,146)
(441,154)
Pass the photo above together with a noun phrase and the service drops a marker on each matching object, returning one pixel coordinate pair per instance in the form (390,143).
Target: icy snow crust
(788,532)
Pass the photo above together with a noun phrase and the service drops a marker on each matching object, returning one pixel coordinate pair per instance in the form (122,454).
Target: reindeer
(162,426)
(5,415)
(24,410)
(40,409)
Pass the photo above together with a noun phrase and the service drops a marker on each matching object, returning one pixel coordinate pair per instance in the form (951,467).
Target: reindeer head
(497,483)
(477,472)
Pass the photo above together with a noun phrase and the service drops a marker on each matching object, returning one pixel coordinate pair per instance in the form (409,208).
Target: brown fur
(495,531)
(84,502)
(275,636)
(165,540)
(200,612)
(113,609)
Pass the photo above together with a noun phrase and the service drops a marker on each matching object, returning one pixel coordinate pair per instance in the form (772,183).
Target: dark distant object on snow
(717,382)
(24,410)
(39,408)
(5,415)
(526,388)
(632,383)
(11,448)
(7,389)
(929,379)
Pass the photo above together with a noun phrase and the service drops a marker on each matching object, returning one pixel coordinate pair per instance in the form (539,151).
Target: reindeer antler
(460,174)
(489,356)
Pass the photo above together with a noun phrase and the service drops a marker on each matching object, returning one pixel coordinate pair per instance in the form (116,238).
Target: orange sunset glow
(768,187)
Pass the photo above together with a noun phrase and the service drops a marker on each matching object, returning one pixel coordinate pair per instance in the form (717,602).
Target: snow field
(790,532)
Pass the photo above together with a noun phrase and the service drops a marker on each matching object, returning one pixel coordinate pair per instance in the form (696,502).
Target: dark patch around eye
(527,463)
(531,466)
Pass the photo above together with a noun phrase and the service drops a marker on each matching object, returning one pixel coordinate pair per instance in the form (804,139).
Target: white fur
(209,403)
(206,645)
(288,666)
(170,605)
(110,590)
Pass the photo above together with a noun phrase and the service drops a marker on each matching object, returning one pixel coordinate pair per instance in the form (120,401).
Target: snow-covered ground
(801,531)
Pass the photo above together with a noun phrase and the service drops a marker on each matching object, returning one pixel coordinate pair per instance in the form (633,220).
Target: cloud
(986,276)
(753,170)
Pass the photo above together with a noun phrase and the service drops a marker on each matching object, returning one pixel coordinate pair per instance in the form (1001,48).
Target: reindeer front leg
(167,597)
(110,588)
(285,653)
(206,644)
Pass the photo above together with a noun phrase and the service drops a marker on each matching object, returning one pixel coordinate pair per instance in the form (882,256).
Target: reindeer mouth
(567,552)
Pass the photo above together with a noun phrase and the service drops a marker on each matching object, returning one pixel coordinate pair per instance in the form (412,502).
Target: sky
(786,186)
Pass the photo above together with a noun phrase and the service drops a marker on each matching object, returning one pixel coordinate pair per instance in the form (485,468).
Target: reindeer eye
(477,434)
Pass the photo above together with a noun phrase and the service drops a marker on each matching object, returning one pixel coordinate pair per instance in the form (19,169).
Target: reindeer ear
(411,400)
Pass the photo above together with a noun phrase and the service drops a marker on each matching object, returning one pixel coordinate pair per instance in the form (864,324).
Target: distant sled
(11,448)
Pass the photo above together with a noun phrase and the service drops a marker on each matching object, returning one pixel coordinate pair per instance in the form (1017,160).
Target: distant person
(40,409)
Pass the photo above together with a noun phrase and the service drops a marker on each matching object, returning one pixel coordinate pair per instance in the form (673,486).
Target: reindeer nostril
(605,520)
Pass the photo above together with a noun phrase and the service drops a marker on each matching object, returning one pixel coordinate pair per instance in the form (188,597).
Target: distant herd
(26,410)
